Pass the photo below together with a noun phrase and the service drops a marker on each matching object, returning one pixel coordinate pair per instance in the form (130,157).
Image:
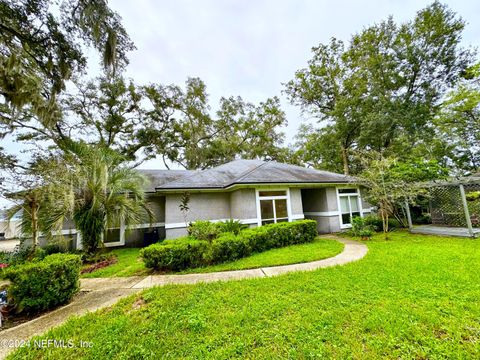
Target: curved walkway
(103,292)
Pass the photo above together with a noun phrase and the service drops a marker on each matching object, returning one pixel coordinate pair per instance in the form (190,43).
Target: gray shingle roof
(157,178)
(251,172)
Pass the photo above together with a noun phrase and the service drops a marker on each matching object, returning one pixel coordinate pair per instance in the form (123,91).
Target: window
(273,206)
(349,205)
(347,191)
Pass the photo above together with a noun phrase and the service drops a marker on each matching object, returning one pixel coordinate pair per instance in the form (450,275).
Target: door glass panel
(354,203)
(344,207)
(281,208)
(266,208)
(346,219)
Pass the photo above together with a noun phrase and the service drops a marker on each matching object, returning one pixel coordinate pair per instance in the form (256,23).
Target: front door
(349,206)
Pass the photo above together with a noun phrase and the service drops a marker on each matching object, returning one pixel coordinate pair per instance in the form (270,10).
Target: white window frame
(348,195)
(278,197)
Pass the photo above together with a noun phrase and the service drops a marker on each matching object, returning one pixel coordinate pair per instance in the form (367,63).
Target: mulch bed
(99,265)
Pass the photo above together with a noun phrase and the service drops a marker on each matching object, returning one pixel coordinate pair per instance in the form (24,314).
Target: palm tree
(97,192)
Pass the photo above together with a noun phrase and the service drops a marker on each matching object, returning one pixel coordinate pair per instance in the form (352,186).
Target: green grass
(316,250)
(412,297)
(129,264)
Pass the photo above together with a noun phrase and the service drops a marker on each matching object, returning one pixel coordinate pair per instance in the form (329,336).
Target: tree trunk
(34,211)
(345,161)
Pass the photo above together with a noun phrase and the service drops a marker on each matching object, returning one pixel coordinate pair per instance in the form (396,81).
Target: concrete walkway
(104,292)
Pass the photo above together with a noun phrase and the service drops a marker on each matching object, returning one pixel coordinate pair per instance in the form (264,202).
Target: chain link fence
(447,208)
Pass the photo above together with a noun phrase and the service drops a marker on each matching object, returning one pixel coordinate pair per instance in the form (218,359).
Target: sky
(249,47)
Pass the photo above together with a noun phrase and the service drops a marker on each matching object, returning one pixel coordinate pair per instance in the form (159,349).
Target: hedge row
(42,285)
(186,252)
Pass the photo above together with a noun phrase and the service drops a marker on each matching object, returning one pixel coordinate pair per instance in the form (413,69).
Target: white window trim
(359,200)
(281,197)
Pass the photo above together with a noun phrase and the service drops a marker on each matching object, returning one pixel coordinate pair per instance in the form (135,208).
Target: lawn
(413,296)
(129,264)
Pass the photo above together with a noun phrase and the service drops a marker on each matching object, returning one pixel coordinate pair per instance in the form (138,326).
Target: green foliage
(97,191)
(197,139)
(361,228)
(227,247)
(233,226)
(189,252)
(174,256)
(44,44)
(386,186)
(380,91)
(413,297)
(41,285)
(472,195)
(204,230)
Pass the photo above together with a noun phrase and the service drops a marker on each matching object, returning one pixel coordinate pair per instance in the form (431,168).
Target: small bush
(43,284)
(232,226)
(204,230)
(187,252)
(174,257)
(360,228)
(374,221)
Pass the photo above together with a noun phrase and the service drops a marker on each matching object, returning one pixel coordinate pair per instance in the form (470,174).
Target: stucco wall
(319,200)
(157,205)
(204,206)
(243,204)
(323,206)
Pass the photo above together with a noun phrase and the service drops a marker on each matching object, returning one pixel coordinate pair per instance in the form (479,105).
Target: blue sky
(249,47)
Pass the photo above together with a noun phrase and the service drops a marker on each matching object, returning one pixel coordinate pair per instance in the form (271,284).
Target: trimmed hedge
(188,252)
(174,256)
(42,285)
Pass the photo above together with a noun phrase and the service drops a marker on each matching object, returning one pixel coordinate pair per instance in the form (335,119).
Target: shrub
(187,252)
(43,284)
(227,247)
(173,256)
(360,228)
(232,226)
(374,221)
(204,230)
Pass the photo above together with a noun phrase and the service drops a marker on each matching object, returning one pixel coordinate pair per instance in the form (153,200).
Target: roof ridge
(248,173)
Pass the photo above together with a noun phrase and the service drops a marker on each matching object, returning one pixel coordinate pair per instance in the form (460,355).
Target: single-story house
(253,192)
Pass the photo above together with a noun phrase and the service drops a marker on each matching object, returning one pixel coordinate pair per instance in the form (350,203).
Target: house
(9,229)
(252,191)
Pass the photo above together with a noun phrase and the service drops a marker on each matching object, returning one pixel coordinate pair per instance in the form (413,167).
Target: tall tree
(459,122)
(183,130)
(386,86)
(42,47)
